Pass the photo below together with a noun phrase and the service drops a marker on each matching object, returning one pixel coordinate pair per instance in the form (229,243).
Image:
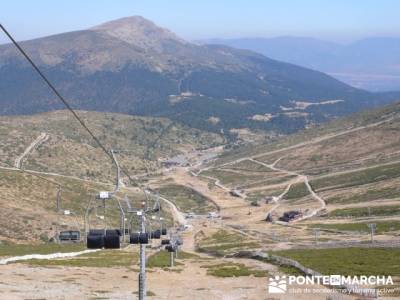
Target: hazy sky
(340,20)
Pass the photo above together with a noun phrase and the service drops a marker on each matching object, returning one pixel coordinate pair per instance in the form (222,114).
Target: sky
(335,20)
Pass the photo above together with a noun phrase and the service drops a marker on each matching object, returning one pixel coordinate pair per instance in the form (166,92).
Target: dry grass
(143,140)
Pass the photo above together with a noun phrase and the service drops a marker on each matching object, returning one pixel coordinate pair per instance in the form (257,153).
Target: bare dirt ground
(186,281)
(189,282)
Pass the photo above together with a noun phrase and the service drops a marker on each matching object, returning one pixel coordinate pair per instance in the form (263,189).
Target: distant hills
(371,63)
(132,66)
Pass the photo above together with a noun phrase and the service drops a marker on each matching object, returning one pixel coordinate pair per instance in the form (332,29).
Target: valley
(337,192)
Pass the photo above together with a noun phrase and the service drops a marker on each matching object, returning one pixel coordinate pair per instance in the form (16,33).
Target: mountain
(132,66)
(371,63)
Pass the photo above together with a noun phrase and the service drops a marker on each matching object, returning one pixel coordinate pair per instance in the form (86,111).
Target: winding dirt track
(178,215)
(39,140)
(301,178)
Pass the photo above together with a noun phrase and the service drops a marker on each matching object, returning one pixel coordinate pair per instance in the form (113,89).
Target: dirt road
(39,140)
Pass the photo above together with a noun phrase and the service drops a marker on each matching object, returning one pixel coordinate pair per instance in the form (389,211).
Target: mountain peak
(127,22)
(138,31)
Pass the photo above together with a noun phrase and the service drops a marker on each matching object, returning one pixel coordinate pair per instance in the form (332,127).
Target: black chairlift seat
(165,242)
(112,241)
(144,238)
(139,238)
(164,231)
(156,234)
(96,232)
(113,232)
(95,241)
(134,238)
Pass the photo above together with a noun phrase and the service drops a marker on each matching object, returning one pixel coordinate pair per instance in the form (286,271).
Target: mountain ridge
(214,88)
(369,63)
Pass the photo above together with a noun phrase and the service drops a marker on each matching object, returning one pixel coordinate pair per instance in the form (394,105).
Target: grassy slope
(349,261)
(101,259)
(354,121)
(381,227)
(223,242)
(233,270)
(186,199)
(31,201)
(16,249)
(143,140)
(70,151)
(369,157)
(161,259)
(356,212)
(356,178)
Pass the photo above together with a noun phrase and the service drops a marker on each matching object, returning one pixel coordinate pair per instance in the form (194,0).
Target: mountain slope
(340,176)
(336,137)
(132,66)
(370,63)
(141,140)
(54,150)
